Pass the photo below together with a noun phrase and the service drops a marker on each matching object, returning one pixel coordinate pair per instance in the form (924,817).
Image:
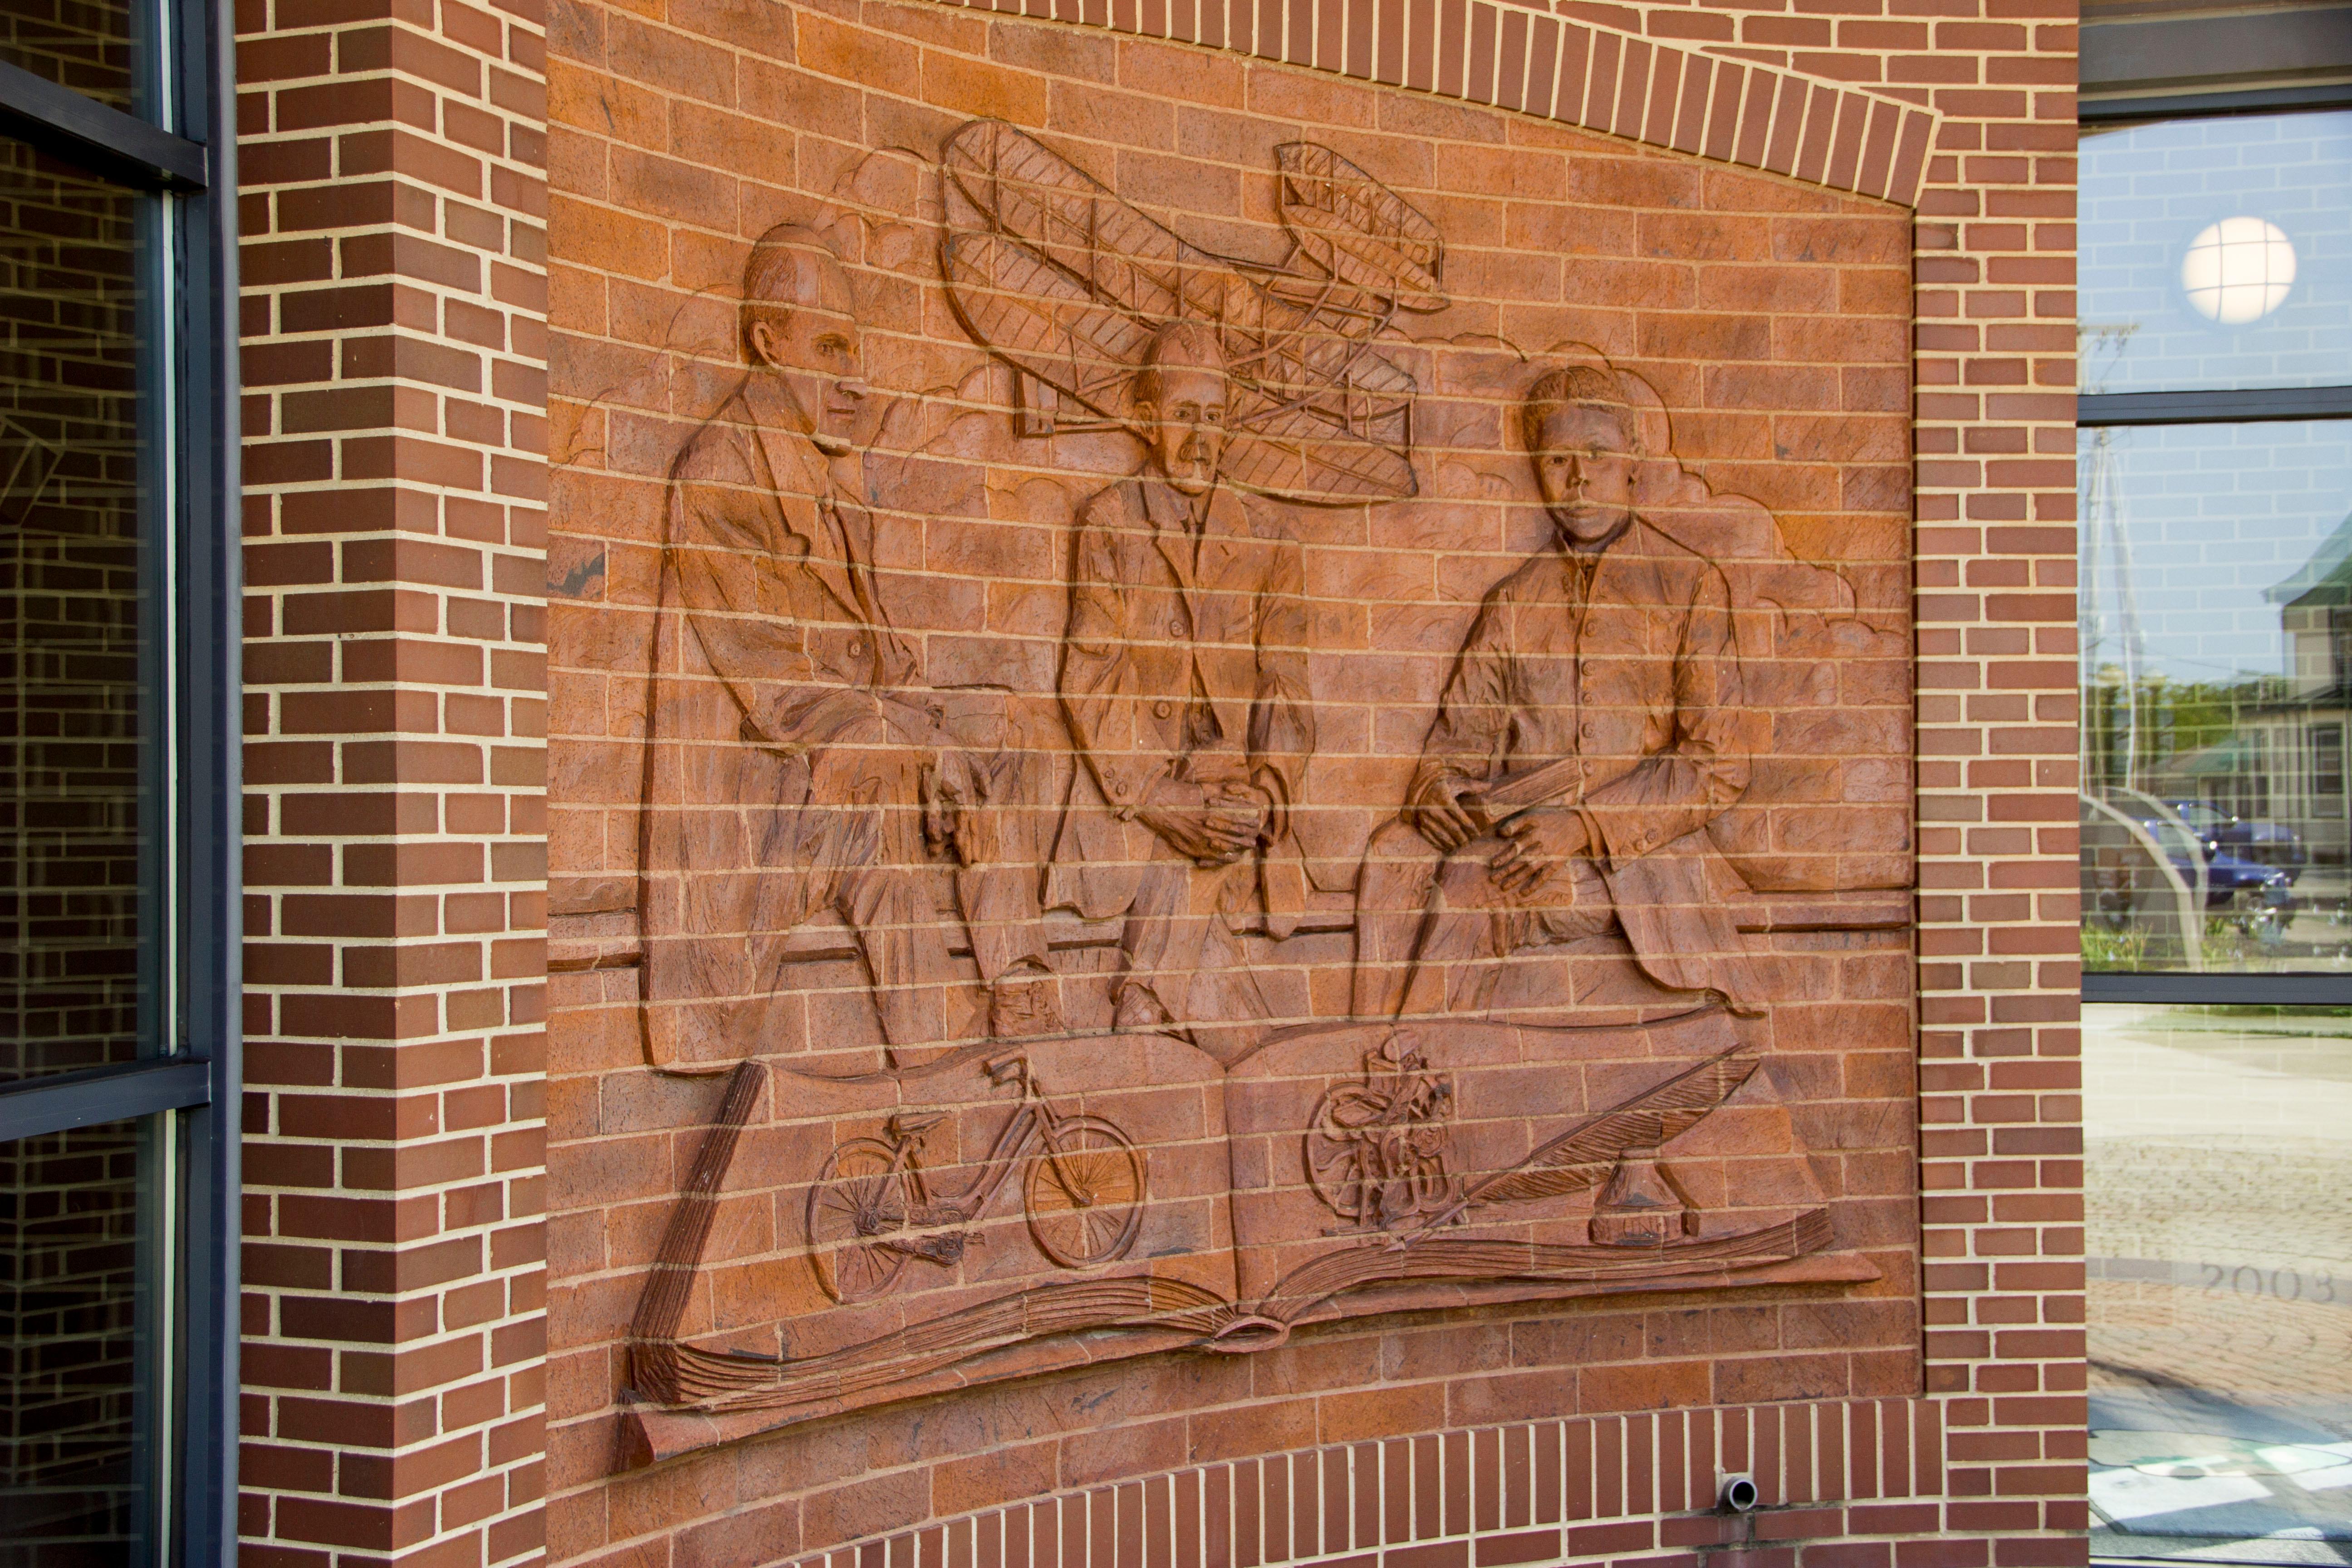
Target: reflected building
(2297,742)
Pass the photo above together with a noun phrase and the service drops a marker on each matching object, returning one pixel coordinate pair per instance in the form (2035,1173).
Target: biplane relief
(1256,947)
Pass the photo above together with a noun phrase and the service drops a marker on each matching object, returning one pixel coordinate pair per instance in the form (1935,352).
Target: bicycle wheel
(1340,1138)
(857,1199)
(1084,1192)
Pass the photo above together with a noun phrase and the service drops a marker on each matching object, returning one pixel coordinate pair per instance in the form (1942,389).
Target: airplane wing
(1358,230)
(1067,282)
(1042,321)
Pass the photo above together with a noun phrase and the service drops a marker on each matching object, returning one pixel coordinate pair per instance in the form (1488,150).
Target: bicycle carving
(1376,1149)
(872,1209)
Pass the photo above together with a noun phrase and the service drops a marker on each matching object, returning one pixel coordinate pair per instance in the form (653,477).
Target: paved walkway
(2218,1177)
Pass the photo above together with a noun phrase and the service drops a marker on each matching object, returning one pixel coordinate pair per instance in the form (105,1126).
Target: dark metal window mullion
(2185,106)
(120,146)
(188,1100)
(2217,989)
(2247,405)
(104,1094)
(208,597)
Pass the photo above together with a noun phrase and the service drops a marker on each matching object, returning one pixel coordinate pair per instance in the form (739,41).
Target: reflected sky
(2148,191)
(2212,518)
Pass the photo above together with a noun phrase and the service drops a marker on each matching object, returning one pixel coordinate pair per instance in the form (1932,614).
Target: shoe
(1139,1009)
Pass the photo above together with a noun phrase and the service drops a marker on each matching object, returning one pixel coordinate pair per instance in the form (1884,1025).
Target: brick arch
(1565,68)
(1592,1488)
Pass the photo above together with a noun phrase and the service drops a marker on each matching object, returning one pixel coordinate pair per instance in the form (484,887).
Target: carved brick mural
(1180,724)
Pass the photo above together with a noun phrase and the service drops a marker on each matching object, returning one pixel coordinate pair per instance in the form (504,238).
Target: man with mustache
(794,763)
(1184,681)
(1587,736)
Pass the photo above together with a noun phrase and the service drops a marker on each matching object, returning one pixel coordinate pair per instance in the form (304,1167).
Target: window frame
(187,157)
(2231,406)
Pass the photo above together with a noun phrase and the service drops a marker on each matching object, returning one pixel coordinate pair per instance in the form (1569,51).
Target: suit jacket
(769,642)
(1637,680)
(1186,659)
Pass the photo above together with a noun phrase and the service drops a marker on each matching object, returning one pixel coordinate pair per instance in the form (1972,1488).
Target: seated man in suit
(1587,737)
(795,764)
(1184,681)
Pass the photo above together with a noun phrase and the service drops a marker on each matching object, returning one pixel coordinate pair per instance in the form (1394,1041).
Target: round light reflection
(2238,270)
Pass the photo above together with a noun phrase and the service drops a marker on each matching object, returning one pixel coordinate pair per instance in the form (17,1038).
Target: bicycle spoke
(1083,1195)
(1081,1177)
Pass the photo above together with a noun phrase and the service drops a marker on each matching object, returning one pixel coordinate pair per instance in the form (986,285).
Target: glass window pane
(74,812)
(91,46)
(2217,1150)
(2216,606)
(73,1328)
(2218,253)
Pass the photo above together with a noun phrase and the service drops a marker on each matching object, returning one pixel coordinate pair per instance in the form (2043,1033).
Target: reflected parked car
(2231,881)
(2263,842)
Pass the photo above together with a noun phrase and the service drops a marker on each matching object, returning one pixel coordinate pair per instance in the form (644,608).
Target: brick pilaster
(2000,971)
(395,367)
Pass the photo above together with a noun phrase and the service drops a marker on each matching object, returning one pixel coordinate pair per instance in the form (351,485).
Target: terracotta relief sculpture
(1206,1098)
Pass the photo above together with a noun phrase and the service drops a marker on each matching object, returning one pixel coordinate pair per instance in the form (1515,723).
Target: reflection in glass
(90,46)
(2217,1152)
(2218,253)
(2216,623)
(72,1407)
(73,724)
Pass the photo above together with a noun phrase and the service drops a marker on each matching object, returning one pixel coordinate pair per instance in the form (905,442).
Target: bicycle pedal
(945,1249)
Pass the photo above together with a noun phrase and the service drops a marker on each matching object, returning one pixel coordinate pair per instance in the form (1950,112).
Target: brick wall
(2000,1108)
(674,129)
(394,362)
(1836,1478)
(394,1401)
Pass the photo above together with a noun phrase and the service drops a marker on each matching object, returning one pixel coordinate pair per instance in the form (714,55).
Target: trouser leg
(1227,1010)
(863,846)
(1392,894)
(1474,925)
(1001,830)
(1469,929)
(1183,955)
(1163,939)
(896,917)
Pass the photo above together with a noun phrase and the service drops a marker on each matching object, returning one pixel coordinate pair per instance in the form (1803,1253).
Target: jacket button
(1162,709)
(857,648)
(1175,628)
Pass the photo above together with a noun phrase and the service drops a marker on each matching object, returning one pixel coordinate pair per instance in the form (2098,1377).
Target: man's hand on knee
(951,788)
(1184,815)
(1238,814)
(1540,843)
(1443,815)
